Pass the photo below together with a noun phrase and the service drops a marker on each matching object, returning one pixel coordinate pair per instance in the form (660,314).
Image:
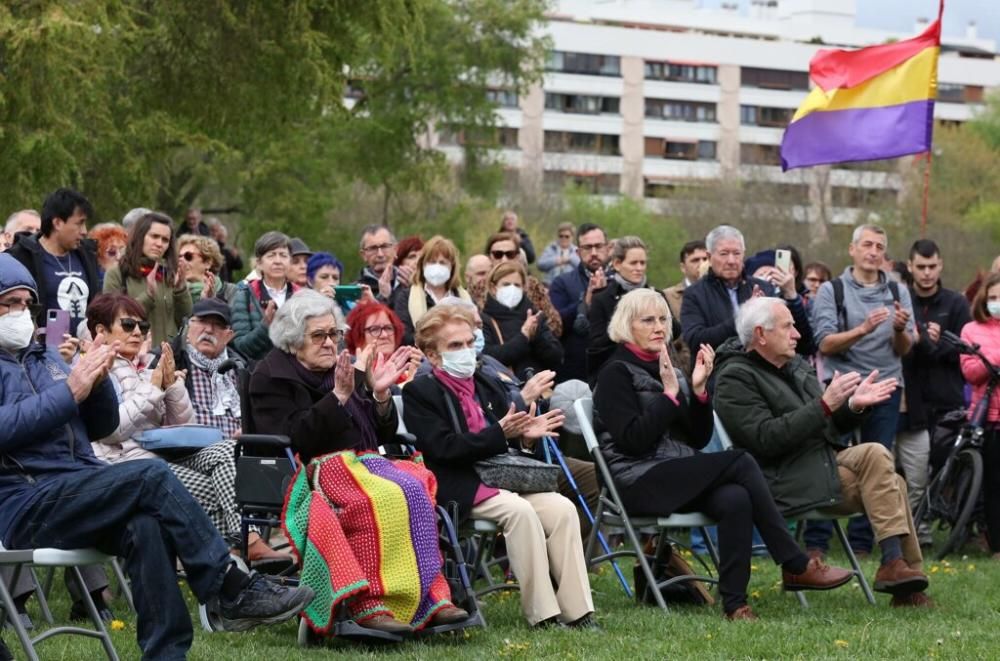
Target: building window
(853,197)
(953,93)
(775,79)
(694,150)
(685,73)
(555,181)
(581,143)
(586,63)
(582,104)
(751,154)
(504,137)
(680,111)
(762,116)
(769,193)
(502,98)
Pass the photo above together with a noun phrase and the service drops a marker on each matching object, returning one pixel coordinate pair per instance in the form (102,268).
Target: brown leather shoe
(814,552)
(388,624)
(912,600)
(817,576)
(742,613)
(897,577)
(449,615)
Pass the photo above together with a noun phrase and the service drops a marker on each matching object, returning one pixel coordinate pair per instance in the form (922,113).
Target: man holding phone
(63,263)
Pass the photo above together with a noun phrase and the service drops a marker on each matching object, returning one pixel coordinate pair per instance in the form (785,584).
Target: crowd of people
(829,387)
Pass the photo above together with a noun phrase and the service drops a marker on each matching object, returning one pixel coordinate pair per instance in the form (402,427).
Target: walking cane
(551,449)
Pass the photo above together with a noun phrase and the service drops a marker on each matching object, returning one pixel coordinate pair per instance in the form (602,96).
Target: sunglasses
(320,337)
(128,325)
(189,256)
(500,254)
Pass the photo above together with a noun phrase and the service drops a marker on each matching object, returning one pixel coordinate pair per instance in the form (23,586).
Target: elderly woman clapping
(652,427)
(345,494)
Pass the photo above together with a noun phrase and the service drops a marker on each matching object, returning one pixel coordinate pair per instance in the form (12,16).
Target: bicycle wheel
(966,484)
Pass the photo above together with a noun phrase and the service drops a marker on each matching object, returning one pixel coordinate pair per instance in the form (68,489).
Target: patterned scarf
(225,397)
(465,390)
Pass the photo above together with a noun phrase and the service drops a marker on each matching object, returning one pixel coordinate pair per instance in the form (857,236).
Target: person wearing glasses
(346,499)
(506,247)
(204,260)
(560,256)
(378,250)
(257,301)
(572,294)
(375,330)
(151,275)
(157,397)
(111,240)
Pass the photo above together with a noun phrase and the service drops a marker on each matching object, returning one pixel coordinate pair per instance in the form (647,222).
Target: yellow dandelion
(117,625)
(935,569)
(708,636)
(970,567)
(755,594)
(840,643)
(753,568)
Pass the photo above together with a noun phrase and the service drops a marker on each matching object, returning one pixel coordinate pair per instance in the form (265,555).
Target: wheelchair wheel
(962,492)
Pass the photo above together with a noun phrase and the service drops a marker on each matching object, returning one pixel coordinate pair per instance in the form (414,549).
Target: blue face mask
(993,307)
(480,340)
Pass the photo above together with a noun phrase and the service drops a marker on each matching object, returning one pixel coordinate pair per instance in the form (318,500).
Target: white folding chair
(611,512)
(24,559)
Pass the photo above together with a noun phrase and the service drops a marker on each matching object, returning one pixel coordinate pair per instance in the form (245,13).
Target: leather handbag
(518,473)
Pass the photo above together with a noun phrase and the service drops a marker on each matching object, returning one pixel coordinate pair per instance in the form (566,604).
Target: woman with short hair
(204,260)
(651,424)
(256,301)
(347,500)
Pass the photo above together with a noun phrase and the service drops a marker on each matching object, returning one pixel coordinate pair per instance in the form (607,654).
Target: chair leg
(855,565)
(644,565)
(22,635)
(713,552)
(42,592)
(123,584)
(95,617)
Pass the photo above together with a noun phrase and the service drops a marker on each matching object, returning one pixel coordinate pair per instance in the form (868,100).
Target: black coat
(707,315)
(400,304)
(511,347)
(640,428)
(451,453)
(566,293)
(599,345)
(283,403)
(29,252)
(931,373)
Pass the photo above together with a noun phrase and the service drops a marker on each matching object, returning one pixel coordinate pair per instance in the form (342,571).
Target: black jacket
(566,293)
(707,315)
(526,245)
(599,345)
(511,347)
(931,373)
(451,453)
(30,252)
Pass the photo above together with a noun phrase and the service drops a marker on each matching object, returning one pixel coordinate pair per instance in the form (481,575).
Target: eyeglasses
(112,253)
(591,247)
(565,236)
(382,247)
(376,331)
(189,256)
(500,254)
(129,325)
(320,337)
(650,322)
(20,304)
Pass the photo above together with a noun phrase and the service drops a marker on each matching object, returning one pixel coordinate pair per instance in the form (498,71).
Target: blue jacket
(566,293)
(43,432)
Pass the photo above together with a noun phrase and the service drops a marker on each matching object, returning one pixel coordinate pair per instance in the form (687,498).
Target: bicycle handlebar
(971,350)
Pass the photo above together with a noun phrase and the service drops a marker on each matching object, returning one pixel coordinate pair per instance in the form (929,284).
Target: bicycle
(954,493)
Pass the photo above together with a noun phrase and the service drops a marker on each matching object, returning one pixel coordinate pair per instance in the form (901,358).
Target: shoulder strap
(496,327)
(838,301)
(894,288)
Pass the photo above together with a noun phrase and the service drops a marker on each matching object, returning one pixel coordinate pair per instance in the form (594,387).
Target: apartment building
(642,97)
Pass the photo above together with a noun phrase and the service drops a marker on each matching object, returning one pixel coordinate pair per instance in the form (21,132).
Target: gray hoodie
(873,351)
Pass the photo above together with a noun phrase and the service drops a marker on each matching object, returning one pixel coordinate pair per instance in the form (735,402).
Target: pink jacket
(987,336)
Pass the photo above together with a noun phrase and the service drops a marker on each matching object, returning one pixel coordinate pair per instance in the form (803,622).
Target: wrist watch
(850,405)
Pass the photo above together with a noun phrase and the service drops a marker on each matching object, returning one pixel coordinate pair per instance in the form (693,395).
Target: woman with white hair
(652,425)
(364,526)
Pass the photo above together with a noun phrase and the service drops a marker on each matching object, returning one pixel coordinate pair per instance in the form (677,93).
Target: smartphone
(56,325)
(345,294)
(783,260)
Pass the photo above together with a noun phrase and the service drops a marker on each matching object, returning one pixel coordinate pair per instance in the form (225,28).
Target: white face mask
(480,340)
(436,274)
(993,307)
(509,295)
(460,363)
(16,330)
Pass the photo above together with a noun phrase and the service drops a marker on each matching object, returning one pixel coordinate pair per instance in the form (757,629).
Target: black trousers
(738,498)
(991,486)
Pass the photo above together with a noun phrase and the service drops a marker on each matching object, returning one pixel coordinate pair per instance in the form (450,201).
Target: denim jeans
(137,510)
(879,427)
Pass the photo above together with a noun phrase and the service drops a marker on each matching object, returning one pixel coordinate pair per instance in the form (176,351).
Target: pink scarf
(465,390)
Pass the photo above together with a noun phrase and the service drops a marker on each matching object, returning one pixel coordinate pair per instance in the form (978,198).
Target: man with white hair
(25,220)
(709,305)
(773,406)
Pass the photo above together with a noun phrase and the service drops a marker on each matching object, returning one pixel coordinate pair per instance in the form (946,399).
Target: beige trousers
(542,533)
(870,484)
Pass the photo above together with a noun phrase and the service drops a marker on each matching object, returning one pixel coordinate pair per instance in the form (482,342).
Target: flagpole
(927,194)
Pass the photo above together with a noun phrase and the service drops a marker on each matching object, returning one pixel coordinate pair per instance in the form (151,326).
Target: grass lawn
(965,624)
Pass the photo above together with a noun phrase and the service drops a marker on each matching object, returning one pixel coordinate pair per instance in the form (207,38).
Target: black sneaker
(5,654)
(263,602)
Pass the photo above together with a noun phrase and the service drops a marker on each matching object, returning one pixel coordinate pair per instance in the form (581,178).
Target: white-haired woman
(652,426)
(346,500)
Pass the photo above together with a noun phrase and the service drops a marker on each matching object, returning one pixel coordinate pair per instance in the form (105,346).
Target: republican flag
(872,103)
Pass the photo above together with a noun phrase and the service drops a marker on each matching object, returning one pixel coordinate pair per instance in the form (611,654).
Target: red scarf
(145,269)
(642,354)
(465,390)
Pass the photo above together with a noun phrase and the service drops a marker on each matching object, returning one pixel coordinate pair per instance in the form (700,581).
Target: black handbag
(518,473)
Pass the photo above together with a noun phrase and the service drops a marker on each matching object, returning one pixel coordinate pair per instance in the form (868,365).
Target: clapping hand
(704,363)
(530,325)
(900,317)
(543,425)
(537,385)
(874,319)
(385,282)
(269,312)
(667,374)
(383,372)
(91,368)
(841,387)
(870,392)
(343,378)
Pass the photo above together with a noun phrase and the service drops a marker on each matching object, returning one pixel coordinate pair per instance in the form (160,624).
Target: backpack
(838,300)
